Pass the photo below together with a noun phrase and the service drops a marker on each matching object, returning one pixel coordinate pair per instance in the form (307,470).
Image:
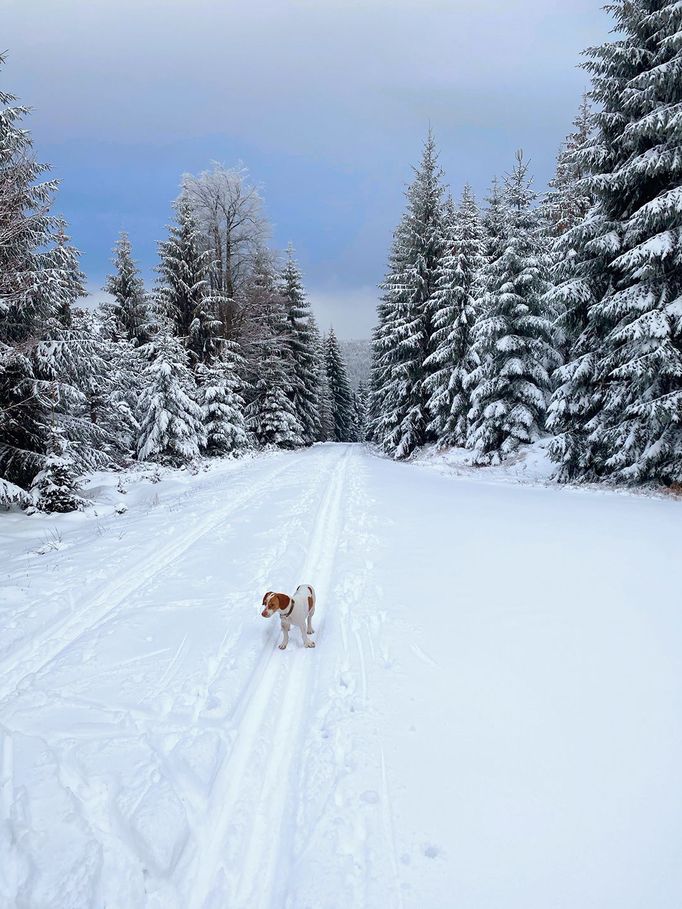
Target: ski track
(29,659)
(279,690)
(157,751)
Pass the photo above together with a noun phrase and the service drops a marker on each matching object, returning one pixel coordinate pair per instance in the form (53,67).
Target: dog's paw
(309,644)
(311,631)
(282,646)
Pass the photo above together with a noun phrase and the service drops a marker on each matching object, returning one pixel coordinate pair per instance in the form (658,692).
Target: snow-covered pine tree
(398,408)
(617,412)
(114,401)
(569,198)
(183,288)
(54,486)
(494,220)
(513,338)
(307,365)
(39,278)
(565,207)
(454,304)
(68,365)
(270,413)
(68,361)
(171,421)
(130,311)
(340,394)
(24,418)
(221,402)
(325,416)
(205,340)
(360,413)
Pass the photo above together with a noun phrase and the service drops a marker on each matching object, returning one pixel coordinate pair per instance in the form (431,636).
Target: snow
(491,716)
(530,464)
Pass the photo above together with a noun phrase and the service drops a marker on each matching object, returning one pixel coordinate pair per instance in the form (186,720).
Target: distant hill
(356,355)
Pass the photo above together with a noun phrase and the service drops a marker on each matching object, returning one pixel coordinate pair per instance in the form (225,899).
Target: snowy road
(490,720)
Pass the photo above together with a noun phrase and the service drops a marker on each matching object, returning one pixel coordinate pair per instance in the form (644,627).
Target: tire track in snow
(36,654)
(280,690)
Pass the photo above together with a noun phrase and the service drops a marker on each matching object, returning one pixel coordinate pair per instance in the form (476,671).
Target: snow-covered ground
(492,718)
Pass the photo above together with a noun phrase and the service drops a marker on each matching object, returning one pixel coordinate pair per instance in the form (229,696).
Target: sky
(327,102)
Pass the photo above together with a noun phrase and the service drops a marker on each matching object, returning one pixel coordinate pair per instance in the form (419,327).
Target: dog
(296,610)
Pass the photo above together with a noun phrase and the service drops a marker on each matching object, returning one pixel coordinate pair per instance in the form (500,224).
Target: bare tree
(228,209)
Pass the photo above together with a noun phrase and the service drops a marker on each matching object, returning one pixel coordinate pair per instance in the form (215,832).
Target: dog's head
(272,603)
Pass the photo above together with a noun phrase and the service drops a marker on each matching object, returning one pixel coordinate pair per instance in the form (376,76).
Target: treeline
(221,355)
(560,314)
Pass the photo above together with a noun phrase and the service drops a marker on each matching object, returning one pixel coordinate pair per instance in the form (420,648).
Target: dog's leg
(311,630)
(285,633)
(304,634)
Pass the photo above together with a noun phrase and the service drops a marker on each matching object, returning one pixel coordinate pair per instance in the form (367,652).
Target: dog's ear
(265,598)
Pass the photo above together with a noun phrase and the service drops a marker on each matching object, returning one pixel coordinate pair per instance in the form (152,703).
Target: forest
(554,313)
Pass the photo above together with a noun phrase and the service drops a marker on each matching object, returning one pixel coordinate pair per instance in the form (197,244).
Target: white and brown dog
(296,610)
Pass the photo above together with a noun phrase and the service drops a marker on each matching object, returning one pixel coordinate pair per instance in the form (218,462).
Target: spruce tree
(565,209)
(454,304)
(114,400)
(569,198)
(25,407)
(270,412)
(494,220)
(171,422)
(340,394)
(130,310)
(306,361)
(401,341)
(54,486)
(183,288)
(513,338)
(360,413)
(325,416)
(222,404)
(39,279)
(617,411)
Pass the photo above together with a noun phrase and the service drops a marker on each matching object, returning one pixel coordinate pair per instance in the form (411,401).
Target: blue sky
(327,103)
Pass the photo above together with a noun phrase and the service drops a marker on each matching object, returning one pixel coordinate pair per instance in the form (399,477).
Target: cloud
(160,69)
(326,101)
(351,312)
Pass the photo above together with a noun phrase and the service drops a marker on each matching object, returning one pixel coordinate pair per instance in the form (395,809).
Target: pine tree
(325,415)
(39,279)
(306,362)
(171,422)
(617,412)
(270,411)
(222,404)
(569,198)
(114,401)
(131,318)
(360,414)
(54,486)
(205,340)
(401,341)
(340,394)
(28,232)
(513,339)
(70,367)
(183,289)
(494,220)
(24,418)
(565,209)
(454,304)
